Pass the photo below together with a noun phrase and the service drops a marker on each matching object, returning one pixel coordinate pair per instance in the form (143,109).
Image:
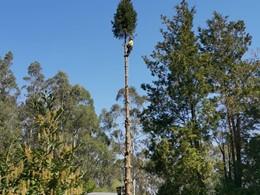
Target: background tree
(124,25)
(47,168)
(235,82)
(9,91)
(252,165)
(179,115)
(111,120)
(80,126)
(79,115)
(111,124)
(35,84)
(35,79)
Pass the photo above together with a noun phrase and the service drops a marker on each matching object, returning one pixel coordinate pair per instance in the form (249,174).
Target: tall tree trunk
(234,126)
(231,140)
(128,175)
(222,150)
(196,141)
(229,159)
(237,138)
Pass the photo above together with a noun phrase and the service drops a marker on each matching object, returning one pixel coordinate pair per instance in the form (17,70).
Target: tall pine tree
(123,26)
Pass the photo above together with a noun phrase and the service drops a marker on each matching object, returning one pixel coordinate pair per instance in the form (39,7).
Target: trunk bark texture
(128,175)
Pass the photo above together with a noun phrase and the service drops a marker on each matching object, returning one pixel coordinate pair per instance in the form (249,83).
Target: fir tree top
(125,18)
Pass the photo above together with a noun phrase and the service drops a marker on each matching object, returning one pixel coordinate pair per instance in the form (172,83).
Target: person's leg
(129,50)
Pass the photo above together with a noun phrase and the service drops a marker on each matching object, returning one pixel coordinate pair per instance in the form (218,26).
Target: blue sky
(76,37)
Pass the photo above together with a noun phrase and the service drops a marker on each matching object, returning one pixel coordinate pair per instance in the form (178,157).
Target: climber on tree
(129,46)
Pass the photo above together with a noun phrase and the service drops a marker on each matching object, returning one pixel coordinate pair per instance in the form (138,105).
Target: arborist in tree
(129,46)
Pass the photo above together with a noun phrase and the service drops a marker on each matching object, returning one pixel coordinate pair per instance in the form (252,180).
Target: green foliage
(79,124)
(47,167)
(99,163)
(35,79)
(9,125)
(35,84)
(236,83)
(77,129)
(203,90)
(79,114)
(8,88)
(174,117)
(9,122)
(252,165)
(125,19)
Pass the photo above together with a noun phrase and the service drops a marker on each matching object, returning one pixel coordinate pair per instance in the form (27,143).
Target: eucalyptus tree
(35,79)
(9,92)
(35,84)
(111,121)
(80,126)
(124,24)
(79,113)
(180,113)
(111,124)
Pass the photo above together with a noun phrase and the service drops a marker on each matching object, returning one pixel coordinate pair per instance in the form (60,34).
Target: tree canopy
(125,20)
(202,97)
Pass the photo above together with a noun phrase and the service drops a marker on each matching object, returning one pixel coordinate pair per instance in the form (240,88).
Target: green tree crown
(125,20)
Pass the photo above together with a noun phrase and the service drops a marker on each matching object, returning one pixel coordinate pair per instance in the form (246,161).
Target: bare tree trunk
(234,126)
(222,150)
(128,175)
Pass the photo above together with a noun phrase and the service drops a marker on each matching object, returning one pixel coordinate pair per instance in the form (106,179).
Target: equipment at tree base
(120,190)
